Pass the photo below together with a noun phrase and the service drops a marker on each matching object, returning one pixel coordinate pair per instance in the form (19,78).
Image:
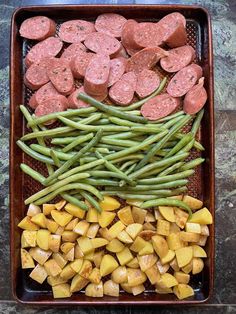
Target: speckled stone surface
(224,35)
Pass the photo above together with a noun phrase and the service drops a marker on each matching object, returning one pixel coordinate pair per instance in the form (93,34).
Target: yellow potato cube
(147,234)
(138,244)
(138,289)
(174,265)
(111,288)
(109,203)
(181,277)
(115,229)
(60,230)
(147,261)
(66,247)
(70,256)
(147,249)
(70,226)
(189,236)
(40,220)
(69,236)
(105,218)
(160,290)
(99,242)
(174,228)
(78,251)
(205,230)
(42,239)
(52,268)
(181,217)
(81,228)
(51,225)
(47,208)
(54,281)
(119,275)
(126,287)
(97,258)
(125,215)
(76,264)
(133,263)
(78,283)
(67,273)
(138,214)
(28,238)
(174,241)
(198,251)
(38,274)
(168,257)
(92,230)
(167,281)
(26,259)
(160,245)
(163,227)
(134,229)
(104,232)
(59,259)
(198,265)
(125,256)
(27,224)
(192,202)
(86,269)
(124,237)
(33,210)
(149,226)
(89,256)
(94,290)
(61,291)
(62,218)
(54,242)
(188,268)
(39,255)
(153,274)
(95,276)
(202,241)
(59,205)
(162,268)
(115,246)
(135,277)
(85,245)
(184,256)
(167,212)
(193,227)
(183,291)
(108,264)
(202,216)
(149,217)
(92,215)
(75,210)
(176,197)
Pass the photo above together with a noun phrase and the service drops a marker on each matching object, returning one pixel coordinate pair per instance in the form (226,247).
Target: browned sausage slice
(175,16)
(147,82)
(110,24)
(177,59)
(72,51)
(159,106)
(127,36)
(42,94)
(96,75)
(37,28)
(131,78)
(47,48)
(184,80)
(76,103)
(102,44)
(75,31)
(195,98)
(145,59)
(147,34)
(36,75)
(80,62)
(117,69)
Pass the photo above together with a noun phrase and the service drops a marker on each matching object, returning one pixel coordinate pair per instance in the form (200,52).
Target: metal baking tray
(201,185)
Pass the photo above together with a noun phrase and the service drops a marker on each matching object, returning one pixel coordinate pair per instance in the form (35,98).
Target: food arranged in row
(112,57)
(121,247)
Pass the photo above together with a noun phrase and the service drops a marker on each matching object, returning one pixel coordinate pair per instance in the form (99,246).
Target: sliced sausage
(45,92)
(176,16)
(75,103)
(72,51)
(147,34)
(145,59)
(80,62)
(37,28)
(110,24)
(121,53)
(131,78)
(36,75)
(131,51)
(127,36)
(184,80)
(75,31)
(159,106)
(122,92)
(117,69)
(60,74)
(177,59)
(47,48)
(147,82)
(195,98)
(96,75)
(102,43)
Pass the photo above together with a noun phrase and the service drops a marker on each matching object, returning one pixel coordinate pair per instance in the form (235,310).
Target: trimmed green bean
(32,173)
(172,122)
(171,169)
(131,168)
(121,122)
(127,164)
(130,196)
(74,201)
(129,157)
(185,140)
(150,129)
(192,164)
(197,145)
(197,122)
(47,133)
(123,135)
(167,178)
(187,147)
(171,116)
(91,200)
(99,182)
(55,158)
(47,151)
(78,141)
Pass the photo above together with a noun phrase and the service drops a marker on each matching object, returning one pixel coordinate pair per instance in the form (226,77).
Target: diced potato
(51,225)
(126,287)
(70,256)
(124,237)
(62,218)
(133,202)
(147,261)
(133,263)
(147,249)
(202,241)
(163,227)
(42,239)
(174,241)
(92,215)
(81,228)
(86,269)
(181,217)
(174,228)
(148,226)
(111,288)
(60,230)
(59,205)
(95,276)
(27,224)
(160,290)
(192,202)
(39,255)
(105,218)
(150,217)
(78,251)
(97,258)
(184,256)
(67,273)
(183,291)
(160,245)
(138,214)
(198,251)
(188,268)
(66,247)
(167,281)
(69,236)
(94,290)
(38,274)
(138,289)
(75,210)
(134,229)
(108,264)
(157,214)
(104,232)
(167,212)
(138,244)
(193,227)
(205,230)
(198,265)
(59,259)
(92,230)
(54,242)
(52,268)
(61,291)
(181,277)
(162,268)
(115,246)
(89,256)
(125,256)
(85,245)
(147,234)
(176,197)
(28,238)
(70,226)
(116,229)
(174,265)
(76,264)
(168,257)
(153,274)
(33,210)
(135,277)
(202,216)
(40,220)
(119,275)
(54,281)
(78,283)
(109,203)
(47,208)
(189,236)
(125,215)
(99,242)
(26,260)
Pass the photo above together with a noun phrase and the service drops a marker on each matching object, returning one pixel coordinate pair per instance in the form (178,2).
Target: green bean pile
(107,150)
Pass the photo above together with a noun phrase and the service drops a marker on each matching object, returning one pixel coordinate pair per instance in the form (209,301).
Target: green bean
(171,169)
(152,151)
(104,174)
(101,182)
(150,129)
(121,122)
(167,178)
(134,112)
(34,154)
(55,158)
(127,164)
(103,121)
(171,116)
(64,140)
(73,159)
(110,110)
(119,142)
(197,121)
(78,141)
(56,186)
(187,147)
(185,140)
(46,151)
(157,164)
(85,160)
(68,113)
(192,164)
(197,145)
(91,200)
(130,196)
(32,173)
(172,122)
(129,157)
(123,135)
(74,201)
(179,190)
(47,133)
(167,202)
(131,168)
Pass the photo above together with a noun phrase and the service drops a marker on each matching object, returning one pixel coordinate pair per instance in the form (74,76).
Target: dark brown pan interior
(201,184)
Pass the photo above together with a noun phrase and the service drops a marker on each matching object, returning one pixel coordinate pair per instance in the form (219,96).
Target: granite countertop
(223,14)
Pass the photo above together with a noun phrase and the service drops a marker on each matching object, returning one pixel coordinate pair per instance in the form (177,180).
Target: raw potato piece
(28,238)
(182,277)
(61,291)
(181,217)
(163,227)
(193,227)
(202,216)
(192,202)
(51,225)
(85,245)
(111,288)
(92,215)
(162,268)
(135,277)
(38,274)
(108,264)
(134,229)
(93,290)
(105,218)
(189,236)
(92,231)
(184,256)
(148,249)
(197,265)
(124,237)
(62,218)
(125,256)
(75,211)
(167,281)
(47,208)
(69,236)
(81,228)
(138,289)
(52,268)
(39,255)
(167,212)
(174,241)
(115,229)
(160,245)
(86,269)
(138,244)
(98,242)
(59,205)
(168,257)
(95,276)
(115,246)
(153,274)
(133,263)
(147,261)
(125,215)
(54,281)
(33,210)
(139,214)
(43,239)
(76,264)
(54,242)
(109,203)
(119,275)
(27,224)
(26,260)
(198,251)
(59,259)
(183,291)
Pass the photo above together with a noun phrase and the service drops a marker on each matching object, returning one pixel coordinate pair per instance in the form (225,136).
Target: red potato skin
(75,103)
(36,75)
(195,98)
(159,107)
(147,82)
(75,31)
(80,63)
(110,24)
(72,51)
(117,69)
(42,94)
